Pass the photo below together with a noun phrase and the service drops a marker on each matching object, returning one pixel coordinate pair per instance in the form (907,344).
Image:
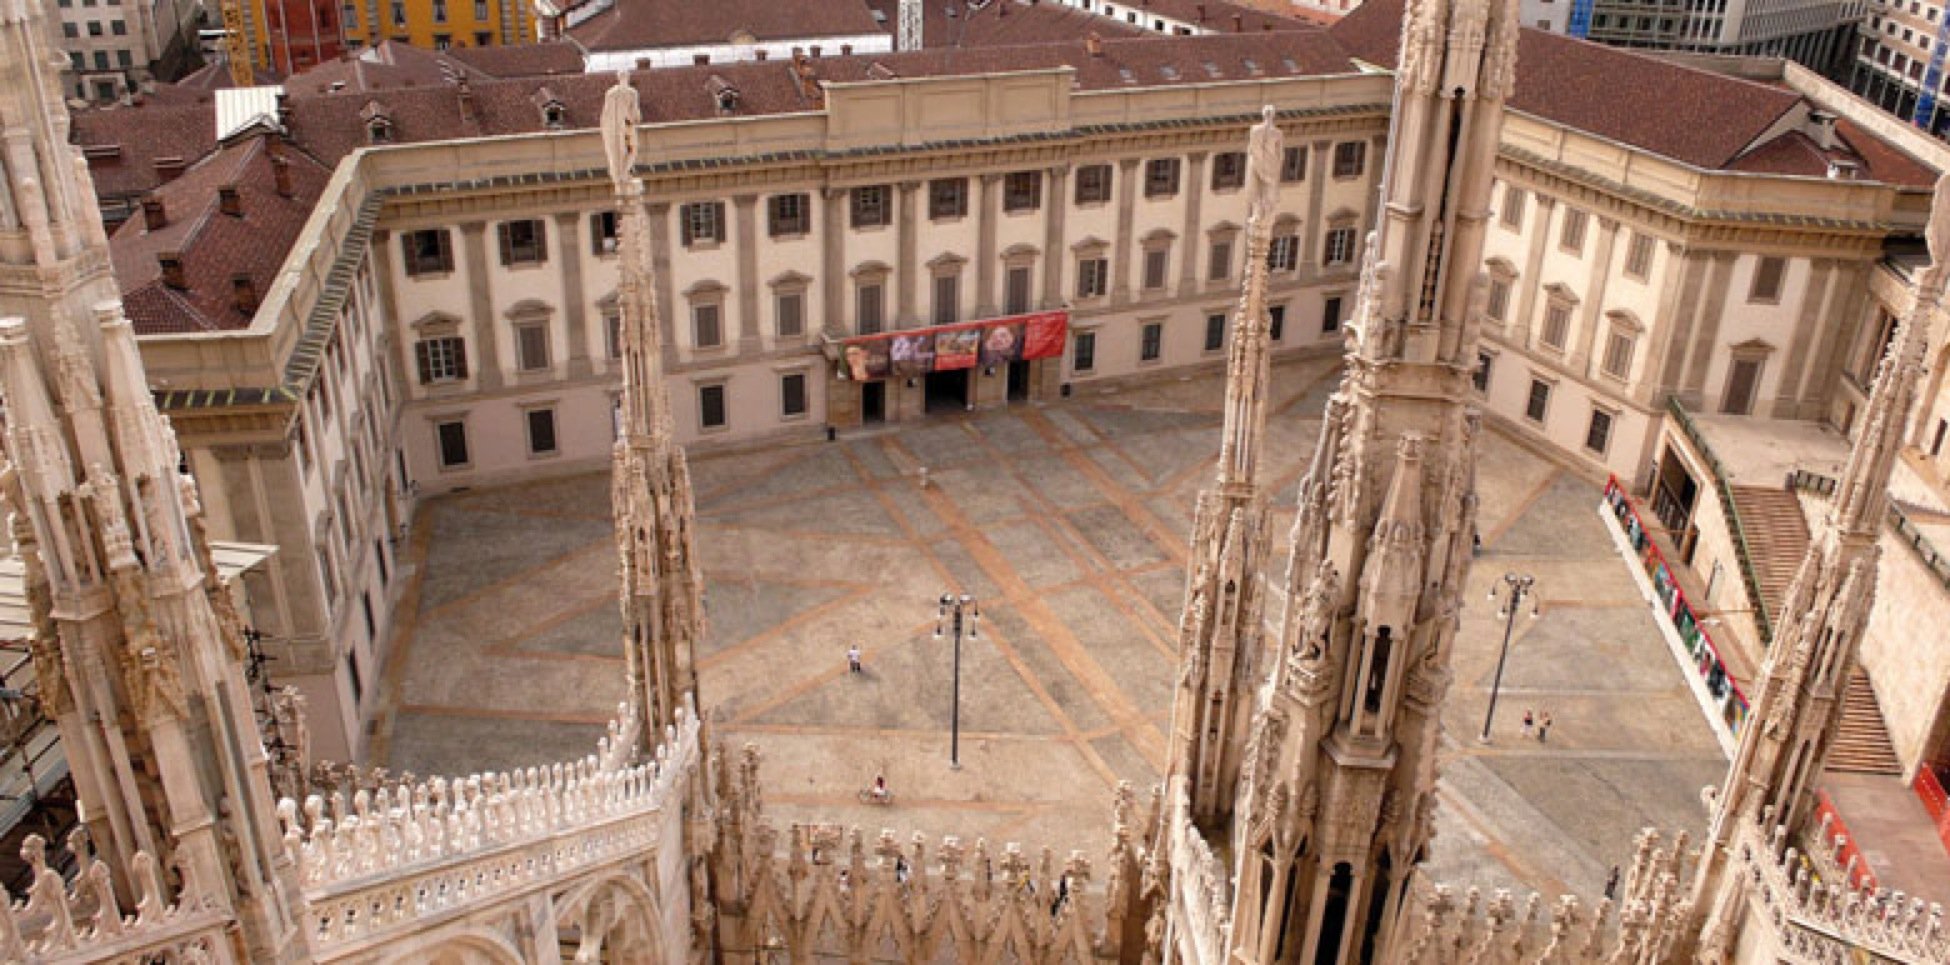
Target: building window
(1157,264)
(1350,158)
(1215,331)
(1743,383)
(1497,306)
(701,223)
(1093,276)
(602,232)
(1015,290)
(124,59)
(1539,402)
(1597,436)
(711,407)
(1022,191)
(1083,353)
(948,198)
(443,41)
(1338,249)
(427,251)
(947,298)
(399,13)
(441,359)
(1481,377)
(789,309)
(118,28)
(1638,257)
(481,12)
(1161,177)
(1557,324)
(1293,166)
(1513,199)
(872,206)
(531,346)
(613,333)
(707,324)
(868,302)
(1275,323)
(1219,266)
(524,242)
(439,11)
(1093,184)
(1151,341)
(792,395)
(1228,170)
(1284,253)
(94,28)
(541,432)
(789,215)
(1571,237)
(1618,353)
(452,437)
(1766,286)
(1330,314)
(72,31)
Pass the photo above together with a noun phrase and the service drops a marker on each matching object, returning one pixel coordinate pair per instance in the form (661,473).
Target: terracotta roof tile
(215,247)
(124,143)
(522,60)
(1608,92)
(650,24)
(1005,23)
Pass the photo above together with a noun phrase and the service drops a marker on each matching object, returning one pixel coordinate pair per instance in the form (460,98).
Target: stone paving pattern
(1069,522)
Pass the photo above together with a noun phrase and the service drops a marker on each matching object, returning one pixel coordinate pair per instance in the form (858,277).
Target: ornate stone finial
(621,114)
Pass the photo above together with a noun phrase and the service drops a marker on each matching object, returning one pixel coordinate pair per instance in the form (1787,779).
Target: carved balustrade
(59,924)
(1832,921)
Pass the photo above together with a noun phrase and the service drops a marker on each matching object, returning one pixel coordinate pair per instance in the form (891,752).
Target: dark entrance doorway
(1018,381)
(873,402)
(948,391)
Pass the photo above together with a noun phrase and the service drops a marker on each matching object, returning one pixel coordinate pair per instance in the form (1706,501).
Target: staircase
(1777,539)
(1861,740)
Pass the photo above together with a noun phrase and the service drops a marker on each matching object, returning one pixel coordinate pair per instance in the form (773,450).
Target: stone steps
(1777,539)
(1861,744)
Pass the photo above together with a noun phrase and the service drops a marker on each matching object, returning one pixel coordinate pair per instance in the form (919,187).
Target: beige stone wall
(1908,662)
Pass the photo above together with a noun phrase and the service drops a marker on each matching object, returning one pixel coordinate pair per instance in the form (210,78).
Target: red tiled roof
(522,60)
(215,247)
(1219,15)
(1005,23)
(1611,93)
(388,66)
(139,135)
(652,24)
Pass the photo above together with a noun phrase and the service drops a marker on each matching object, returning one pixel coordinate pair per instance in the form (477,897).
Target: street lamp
(1516,588)
(965,615)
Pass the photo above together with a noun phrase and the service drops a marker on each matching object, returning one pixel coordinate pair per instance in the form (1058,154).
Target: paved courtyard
(1068,522)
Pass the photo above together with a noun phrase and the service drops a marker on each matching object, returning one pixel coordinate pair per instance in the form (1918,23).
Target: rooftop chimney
(229,201)
(169,169)
(243,294)
(172,270)
(1238,23)
(154,216)
(1822,127)
(1093,44)
(281,176)
(1201,13)
(464,97)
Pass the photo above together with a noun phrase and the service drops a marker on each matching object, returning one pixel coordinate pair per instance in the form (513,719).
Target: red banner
(946,348)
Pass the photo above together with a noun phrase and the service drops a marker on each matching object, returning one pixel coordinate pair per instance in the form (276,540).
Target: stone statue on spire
(621,114)
(1265,156)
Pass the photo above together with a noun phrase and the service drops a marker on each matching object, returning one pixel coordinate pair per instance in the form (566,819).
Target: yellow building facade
(439,24)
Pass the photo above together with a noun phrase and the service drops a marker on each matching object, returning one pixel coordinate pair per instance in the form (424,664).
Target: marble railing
(1200,891)
(1831,921)
(404,854)
(85,923)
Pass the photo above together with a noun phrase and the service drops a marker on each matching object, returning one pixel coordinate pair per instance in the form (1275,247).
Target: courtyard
(1068,522)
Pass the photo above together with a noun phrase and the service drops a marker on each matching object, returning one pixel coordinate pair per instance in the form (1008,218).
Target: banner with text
(946,348)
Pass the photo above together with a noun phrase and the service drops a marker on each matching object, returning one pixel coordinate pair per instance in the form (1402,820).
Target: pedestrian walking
(1611,884)
(1529,721)
(1543,727)
(853,659)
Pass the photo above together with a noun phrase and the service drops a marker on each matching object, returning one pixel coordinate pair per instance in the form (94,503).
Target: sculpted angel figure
(621,115)
(1265,154)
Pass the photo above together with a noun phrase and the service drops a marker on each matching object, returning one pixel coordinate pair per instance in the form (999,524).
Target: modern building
(114,47)
(1898,61)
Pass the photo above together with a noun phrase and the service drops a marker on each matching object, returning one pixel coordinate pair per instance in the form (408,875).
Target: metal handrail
(1731,510)
(1933,559)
